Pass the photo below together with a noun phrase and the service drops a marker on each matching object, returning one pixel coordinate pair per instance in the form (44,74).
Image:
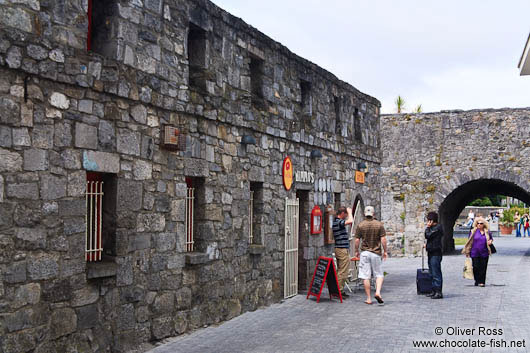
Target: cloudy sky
(440,54)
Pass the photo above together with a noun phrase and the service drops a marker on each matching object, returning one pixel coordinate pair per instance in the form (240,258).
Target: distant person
(370,235)
(517,223)
(342,245)
(434,235)
(478,248)
(526,225)
(470,218)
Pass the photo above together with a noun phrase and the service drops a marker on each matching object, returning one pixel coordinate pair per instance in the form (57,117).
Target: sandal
(368,303)
(379,299)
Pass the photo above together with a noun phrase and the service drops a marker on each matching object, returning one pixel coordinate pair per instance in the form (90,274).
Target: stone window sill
(256,249)
(101,269)
(196,258)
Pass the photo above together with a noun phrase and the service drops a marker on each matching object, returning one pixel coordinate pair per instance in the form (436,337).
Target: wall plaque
(173,138)
(359,177)
(287,172)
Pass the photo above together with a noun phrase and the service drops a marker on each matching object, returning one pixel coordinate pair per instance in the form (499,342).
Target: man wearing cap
(342,245)
(370,234)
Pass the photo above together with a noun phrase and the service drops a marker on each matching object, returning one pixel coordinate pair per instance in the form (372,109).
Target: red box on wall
(316,220)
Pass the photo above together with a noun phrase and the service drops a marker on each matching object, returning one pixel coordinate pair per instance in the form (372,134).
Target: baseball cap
(369,211)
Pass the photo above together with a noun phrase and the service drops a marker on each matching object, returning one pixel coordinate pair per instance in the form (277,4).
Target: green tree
(481,202)
(400,104)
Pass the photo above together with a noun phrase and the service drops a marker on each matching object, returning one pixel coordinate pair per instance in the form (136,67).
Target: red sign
(322,275)
(287,172)
(316,220)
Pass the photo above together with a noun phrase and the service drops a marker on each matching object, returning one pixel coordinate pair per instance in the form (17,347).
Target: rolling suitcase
(423,278)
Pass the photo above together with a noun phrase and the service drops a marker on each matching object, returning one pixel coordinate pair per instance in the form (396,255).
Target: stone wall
(65,111)
(442,161)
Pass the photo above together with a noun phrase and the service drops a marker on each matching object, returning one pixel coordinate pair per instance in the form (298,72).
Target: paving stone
(303,325)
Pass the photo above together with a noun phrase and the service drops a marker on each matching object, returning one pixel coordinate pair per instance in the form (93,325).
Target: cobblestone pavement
(300,325)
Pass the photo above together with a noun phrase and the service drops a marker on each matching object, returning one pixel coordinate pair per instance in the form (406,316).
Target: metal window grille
(190,198)
(93,221)
(251,219)
(291,248)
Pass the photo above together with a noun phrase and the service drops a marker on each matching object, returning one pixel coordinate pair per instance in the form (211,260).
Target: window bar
(187,218)
(191,218)
(190,196)
(100,220)
(251,218)
(91,235)
(87,223)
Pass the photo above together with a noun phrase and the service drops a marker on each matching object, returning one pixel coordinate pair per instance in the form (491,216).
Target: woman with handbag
(479,247)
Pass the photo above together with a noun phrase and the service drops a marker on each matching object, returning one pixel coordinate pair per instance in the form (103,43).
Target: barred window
(102,18)
(100,218)
(197,57)
(94,216)
(256,80)
(196,232)
(190,219)
(307,101)
(255,211)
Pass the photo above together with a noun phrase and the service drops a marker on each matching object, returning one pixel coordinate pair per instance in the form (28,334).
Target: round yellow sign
(288,173)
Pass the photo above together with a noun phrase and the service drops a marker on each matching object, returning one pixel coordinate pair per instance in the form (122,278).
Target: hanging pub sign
(287,172)
(359,177)
(316,220)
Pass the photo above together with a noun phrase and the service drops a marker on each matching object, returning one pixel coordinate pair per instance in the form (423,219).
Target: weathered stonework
(65,112)
(442,161)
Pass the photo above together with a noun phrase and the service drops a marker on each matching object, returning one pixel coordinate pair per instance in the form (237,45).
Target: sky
(444,55)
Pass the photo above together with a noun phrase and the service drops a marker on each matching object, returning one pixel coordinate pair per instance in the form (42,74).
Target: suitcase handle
(422,258)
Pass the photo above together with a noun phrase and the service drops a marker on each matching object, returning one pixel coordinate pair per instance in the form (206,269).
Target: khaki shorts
(369,264)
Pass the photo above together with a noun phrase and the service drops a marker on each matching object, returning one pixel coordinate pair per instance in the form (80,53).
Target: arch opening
(456,201)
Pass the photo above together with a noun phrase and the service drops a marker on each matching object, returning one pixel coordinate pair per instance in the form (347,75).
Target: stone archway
(440,161)
(456,200)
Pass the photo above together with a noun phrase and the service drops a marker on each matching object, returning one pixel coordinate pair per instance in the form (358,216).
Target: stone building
(451,159)
(141,153)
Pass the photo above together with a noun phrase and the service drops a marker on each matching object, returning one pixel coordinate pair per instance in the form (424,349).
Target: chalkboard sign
(324,273)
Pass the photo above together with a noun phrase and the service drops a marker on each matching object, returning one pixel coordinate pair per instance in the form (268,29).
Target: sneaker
(344,294)
(437,295)
(430,294)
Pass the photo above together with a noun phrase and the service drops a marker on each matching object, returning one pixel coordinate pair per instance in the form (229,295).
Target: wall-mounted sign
(316,220)
(173,139)
(287,172)
(304,177)
(359,177)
